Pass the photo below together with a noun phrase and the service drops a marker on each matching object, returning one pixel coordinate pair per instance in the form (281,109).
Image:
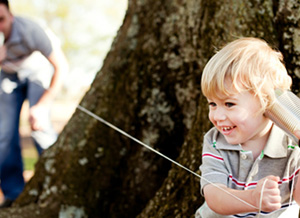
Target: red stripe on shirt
(255,183)
(290,178)
(243,184)
(212,155)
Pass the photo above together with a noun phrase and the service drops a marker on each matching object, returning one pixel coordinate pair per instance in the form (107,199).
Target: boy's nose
(219,114)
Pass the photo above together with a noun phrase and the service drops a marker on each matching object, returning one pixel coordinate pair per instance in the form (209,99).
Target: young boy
(249,165)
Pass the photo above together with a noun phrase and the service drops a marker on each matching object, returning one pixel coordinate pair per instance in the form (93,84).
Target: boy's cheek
(212,120)
(210,117)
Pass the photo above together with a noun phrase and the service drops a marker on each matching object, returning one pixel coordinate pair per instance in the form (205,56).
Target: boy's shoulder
(212,134)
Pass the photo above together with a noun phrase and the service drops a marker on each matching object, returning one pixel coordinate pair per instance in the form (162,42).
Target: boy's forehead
(222,96)
(231,95)
(228,88)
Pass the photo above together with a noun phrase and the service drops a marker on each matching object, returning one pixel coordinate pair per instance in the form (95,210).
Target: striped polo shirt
(230,165)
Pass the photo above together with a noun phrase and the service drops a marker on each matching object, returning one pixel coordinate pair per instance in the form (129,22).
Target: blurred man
(31,68)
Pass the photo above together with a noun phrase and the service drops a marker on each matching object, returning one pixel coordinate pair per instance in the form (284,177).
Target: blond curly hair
(246,64)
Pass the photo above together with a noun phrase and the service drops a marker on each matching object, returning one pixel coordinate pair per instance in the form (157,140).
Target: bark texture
(149,86)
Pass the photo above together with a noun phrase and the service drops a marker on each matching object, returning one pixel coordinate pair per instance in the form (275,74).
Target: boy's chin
(232,141)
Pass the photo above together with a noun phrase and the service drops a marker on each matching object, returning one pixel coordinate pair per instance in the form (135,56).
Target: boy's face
(237,117)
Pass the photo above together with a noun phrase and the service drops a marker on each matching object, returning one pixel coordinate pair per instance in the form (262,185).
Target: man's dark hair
(5,2)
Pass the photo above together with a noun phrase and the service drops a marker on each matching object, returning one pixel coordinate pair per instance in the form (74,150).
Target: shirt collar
(277,143)
(223,144)
(276,146)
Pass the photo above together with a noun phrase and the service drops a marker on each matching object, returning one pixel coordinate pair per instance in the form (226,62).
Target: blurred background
(86,29)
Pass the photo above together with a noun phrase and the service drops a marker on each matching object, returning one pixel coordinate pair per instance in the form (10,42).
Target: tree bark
(149,86)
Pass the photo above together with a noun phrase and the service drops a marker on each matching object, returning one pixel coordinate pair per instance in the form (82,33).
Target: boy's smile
(238,117)
(227,130)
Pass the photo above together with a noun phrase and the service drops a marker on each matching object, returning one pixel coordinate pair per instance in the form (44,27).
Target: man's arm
(60,65)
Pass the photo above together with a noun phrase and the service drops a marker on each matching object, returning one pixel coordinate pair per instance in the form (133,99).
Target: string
(159,153)
(292,190)
(261,196)
(134,139)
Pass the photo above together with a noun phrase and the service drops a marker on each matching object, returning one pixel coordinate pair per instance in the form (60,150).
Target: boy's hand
(271,199)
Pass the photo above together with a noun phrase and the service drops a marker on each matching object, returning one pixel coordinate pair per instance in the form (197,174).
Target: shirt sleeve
(38,40)
(213,169)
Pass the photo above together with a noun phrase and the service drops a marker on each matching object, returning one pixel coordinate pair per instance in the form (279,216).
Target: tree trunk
(149,86)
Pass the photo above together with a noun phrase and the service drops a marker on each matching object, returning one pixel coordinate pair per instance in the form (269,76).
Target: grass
(30,157)
(29,163)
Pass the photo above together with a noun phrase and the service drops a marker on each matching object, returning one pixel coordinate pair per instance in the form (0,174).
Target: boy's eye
(229,104)
(212,104)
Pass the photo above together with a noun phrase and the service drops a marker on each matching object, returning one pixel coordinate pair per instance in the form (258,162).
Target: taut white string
(261,196)
(157,152)
(292,190)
